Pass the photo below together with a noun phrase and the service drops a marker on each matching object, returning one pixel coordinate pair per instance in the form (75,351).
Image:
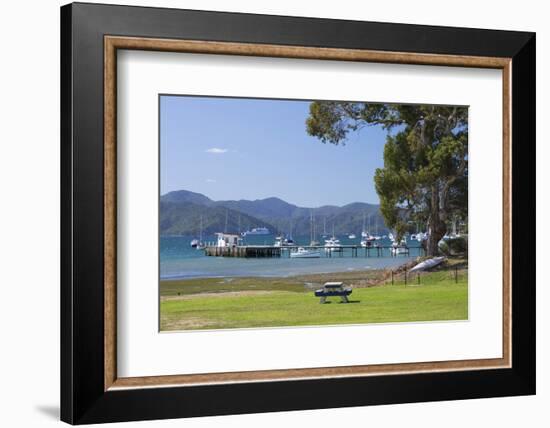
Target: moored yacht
(281,241)
(333,244)
(303,253)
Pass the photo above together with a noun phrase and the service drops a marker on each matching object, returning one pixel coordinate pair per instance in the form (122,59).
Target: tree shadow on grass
(340,302)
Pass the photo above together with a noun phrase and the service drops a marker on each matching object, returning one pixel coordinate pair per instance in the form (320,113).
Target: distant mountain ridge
(181,210)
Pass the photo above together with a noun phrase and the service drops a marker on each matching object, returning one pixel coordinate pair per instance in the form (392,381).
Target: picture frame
(91,391)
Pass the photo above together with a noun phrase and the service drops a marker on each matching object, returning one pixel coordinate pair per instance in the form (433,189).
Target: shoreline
(407,264)
(260,302)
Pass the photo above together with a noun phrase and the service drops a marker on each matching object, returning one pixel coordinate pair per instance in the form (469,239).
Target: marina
(260,256)
(256,251)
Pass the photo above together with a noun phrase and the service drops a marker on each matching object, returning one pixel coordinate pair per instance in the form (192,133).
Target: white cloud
(216,151)
(210,180)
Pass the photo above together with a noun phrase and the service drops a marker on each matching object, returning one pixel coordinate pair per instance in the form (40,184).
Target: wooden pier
(243,251)
(258,251)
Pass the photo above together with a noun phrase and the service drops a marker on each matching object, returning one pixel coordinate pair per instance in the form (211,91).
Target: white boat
(302,253)
(281,241)
(257,231)
(399,248)
(333,244)
(313,242)
(197,243)
(421,236)
(366,238)
(427,264)
(364,232)
(365,242)
(352,236)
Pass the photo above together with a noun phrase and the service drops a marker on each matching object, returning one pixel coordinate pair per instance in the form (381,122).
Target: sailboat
(308,253)
(289,240)
(364,233)
(367,238)
(333,243)
(399,247)
(281,241)
(197,243)
(313,241)
(324,227)
(376,235)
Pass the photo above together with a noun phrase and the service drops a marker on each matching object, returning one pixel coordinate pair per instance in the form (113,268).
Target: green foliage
(454,246)
(180,214)
(424,179)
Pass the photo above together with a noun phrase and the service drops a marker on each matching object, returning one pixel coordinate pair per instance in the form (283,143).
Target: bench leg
(344,299)
(323,300)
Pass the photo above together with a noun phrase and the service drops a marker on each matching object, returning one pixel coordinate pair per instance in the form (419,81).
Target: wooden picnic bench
(333,289)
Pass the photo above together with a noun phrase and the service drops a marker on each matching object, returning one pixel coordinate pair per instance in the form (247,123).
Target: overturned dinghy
(427,264)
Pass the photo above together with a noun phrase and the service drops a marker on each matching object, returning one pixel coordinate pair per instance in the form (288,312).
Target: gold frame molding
(113,43)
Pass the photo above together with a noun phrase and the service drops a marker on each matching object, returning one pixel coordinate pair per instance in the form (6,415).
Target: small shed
(227,239)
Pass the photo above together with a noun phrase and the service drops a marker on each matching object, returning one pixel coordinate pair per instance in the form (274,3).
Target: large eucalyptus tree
(425,173)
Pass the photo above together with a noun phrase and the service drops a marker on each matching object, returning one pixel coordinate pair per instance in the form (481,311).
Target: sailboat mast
(369,224)
(311,226)
(290,229)
(226,215)
(313,220)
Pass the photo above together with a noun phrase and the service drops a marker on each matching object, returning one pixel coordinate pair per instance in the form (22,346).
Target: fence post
(405,277)
(456,275)
(392,277)
(418,278)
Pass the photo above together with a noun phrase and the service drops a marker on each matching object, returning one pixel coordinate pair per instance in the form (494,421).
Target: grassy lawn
(267,302)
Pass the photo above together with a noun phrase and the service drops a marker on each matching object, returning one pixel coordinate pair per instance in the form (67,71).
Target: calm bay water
(179,260)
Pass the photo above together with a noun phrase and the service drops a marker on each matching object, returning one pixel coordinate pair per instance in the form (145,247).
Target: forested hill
(181,211)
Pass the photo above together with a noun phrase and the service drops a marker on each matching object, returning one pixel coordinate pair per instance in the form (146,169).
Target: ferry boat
(257,231)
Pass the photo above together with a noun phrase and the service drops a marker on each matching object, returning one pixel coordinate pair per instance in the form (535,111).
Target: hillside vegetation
(181,211)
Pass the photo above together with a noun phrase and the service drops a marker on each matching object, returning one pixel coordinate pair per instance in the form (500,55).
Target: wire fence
(403,277)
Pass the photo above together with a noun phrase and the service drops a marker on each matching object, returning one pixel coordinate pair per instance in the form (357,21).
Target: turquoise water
(179,260)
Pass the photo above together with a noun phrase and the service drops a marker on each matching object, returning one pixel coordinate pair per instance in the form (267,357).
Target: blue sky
(238,148)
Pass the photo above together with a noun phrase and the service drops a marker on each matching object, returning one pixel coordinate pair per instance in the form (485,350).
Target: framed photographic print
(265,213)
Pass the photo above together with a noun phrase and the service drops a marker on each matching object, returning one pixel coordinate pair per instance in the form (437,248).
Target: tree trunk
(436,231)
(436,226)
